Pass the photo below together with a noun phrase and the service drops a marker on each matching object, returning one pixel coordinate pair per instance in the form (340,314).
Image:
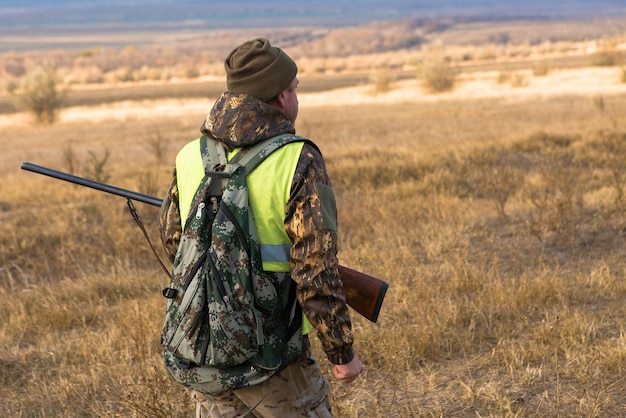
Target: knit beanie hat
(259,69)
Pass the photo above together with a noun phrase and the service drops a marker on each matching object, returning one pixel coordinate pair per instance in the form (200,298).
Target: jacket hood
(240,120)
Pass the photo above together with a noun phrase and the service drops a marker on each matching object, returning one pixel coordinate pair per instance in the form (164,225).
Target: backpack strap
(213,157)
(250,158)
(214,160)
(218,169)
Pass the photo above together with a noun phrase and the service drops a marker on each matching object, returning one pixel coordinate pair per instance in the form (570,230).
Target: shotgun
(364,293)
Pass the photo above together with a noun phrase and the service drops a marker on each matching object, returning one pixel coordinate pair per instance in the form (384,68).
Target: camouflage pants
(300,390)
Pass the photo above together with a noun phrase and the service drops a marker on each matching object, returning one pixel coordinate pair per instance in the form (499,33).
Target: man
(294,208)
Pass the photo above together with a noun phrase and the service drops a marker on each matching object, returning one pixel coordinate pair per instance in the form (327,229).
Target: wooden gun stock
(364,293)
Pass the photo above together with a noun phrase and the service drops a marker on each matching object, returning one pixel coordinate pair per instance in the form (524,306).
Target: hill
(39,24)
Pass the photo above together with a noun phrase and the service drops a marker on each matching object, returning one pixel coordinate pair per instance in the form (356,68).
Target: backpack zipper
(240,232)
(214,203)
(219,282)
(194,270)
(199,210)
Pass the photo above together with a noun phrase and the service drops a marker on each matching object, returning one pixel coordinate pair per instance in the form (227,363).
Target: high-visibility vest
(267,199)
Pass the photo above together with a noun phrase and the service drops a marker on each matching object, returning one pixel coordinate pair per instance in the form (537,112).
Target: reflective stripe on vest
(278,253)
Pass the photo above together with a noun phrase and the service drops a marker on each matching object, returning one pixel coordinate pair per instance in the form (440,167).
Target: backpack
(222,307)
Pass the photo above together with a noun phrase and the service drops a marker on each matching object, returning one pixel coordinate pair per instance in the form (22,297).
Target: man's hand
(347,373)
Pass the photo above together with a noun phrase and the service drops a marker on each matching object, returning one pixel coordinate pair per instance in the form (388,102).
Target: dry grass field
(495,211)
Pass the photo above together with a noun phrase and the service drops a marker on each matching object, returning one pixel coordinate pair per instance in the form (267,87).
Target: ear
(280,100)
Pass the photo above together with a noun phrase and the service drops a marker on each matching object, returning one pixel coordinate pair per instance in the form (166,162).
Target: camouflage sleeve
(169,220)
(311,222)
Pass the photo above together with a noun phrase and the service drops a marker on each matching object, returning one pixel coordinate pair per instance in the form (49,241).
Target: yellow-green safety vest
(267,199)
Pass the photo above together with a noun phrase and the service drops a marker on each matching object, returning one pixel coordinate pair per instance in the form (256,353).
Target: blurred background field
(494,208)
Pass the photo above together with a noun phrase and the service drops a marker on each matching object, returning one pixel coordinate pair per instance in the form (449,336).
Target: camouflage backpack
(218,332)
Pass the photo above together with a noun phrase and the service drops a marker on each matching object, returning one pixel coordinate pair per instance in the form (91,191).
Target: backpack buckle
(169,293)
(184,364)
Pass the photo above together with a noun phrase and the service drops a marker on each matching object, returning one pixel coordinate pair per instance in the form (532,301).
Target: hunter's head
(259,69)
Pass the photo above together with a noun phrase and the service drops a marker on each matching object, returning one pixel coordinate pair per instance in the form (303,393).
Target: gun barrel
(363,292)
(139,197)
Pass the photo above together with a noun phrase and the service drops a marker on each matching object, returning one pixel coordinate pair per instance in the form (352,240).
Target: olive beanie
(259,69)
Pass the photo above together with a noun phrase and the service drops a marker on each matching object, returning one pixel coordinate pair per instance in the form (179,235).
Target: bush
(438,75)
(541,68)
(96,167)
(382,82)
(608,55)
(606,59)
(40,95)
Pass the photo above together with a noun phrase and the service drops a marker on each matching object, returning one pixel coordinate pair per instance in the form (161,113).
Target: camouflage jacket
(241,121)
